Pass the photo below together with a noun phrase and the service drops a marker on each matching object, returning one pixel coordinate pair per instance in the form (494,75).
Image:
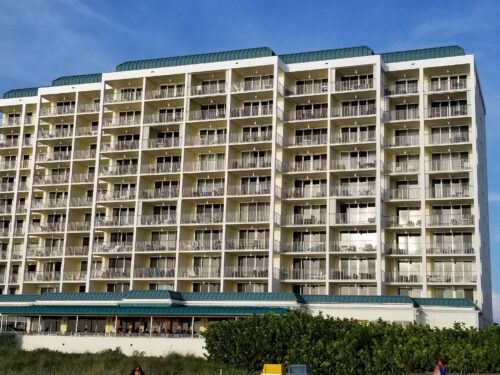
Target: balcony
(167,93)
(49,203)
(57,111)
(450,249)
(121,121)
(7,186)
(354,190)
(198,272)
(264,110)
(158,168)
(246,272)
(6,143)
(457,277)
(306,166)
(80,202)
(451,111)
(358,137)
(115,221)
(450,192)
(352,275)
(83,178)
(204,166)
(51,180)
(401,89)
(113,247)
(164,118)
(251,137)
(447,85)
(118,170)
(402,141)
(301,274)
(306,89)
(77,251)
(403,277)
(110,273)
(84,154)
(448,138)
(409,166)
(153,273)
(13,278)
(86,131)
(361,84)
(4,232)
(163,193)
(247,86)
(47,228)
(53,156)
(196,192)
(155,220)
(16,255)
(318,191)
(250,245)
(299,219)
(10,121)
(201,245)
(155,246)
(56,133)
(306,114)
(122,97)
(248,217)
(74,275)
(78,226)
(8,165)
(44,252)
(249,163)
(402,222)
(452,220)
(250,189)
(359,111)
(154,143)
(303,247)
(207,218)
(352,247)
(406,249)
(306,140)
(89,108)
(116,195)
(406,193)
(21,209)
(353,164)
(19,231)
(208,89)
(402,114)
(42,276)
(367,218)
(5,209)
(207,114)
(120,146)
(450,165)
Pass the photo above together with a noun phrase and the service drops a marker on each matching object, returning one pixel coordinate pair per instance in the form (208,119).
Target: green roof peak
(422,54)
(77,80)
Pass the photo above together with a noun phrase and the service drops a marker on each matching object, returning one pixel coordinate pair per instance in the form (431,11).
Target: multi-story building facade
(339,172)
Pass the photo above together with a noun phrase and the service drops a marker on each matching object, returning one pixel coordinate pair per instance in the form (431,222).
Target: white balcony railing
(113,247)
(245,86)
(251,137)
(201,245)
(318,191)
(164,118)
(352,275)
(115,221)
(403,193)
(208,114)
(173,167)
(306,114)
(408,249)
(118,170)
(299,219)
(451,164)
(157,220)
(263,110)
(409,166)
(354,137)
(402,222)
(199,272)
(120,145)
(303,247)
(361,84)
(301,274)
(249,163)
(162,193)
(206,165)
(403,114)
(214,191)
(353,190)
(153,272)
(403,277)
(355,111)
(202,218)
(451,220)
(306,140)
(448,138)
(450,192)
(367,218)
(401,89)
(457,277)
(353,164)
(121,97)
(246,272)
(451,111)
(208,89)
(402,141)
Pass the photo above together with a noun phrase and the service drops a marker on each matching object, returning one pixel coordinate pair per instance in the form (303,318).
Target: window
(309,188)
(309,289)
(210,186)
(131,93)
(207,239)
(251,287)
(256,159)
(311,86)
(129,117)
(212,136)
(311,241)
(310,162)
(253,239)
(118,287)
(206,287)
(309,214)
(310,136)
(257,133)
(257,211)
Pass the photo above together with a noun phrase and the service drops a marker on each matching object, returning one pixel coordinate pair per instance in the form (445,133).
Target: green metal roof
(448,302)
(328,54)
(229,296)
(330,299)
(422,54)
(21,93)
(202,58)
(153,294)
(77,80)
(18,298)
(80,296)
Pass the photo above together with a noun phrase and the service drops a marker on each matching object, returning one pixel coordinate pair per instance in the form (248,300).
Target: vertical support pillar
(151,327)
(76,325)
(116,323)
(39,323)
(192,326)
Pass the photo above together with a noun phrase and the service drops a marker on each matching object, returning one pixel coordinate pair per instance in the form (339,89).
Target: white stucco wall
(390,313)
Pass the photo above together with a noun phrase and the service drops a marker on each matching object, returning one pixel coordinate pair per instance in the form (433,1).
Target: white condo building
(336,172)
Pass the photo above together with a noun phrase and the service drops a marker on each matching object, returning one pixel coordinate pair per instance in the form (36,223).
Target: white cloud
(495,297)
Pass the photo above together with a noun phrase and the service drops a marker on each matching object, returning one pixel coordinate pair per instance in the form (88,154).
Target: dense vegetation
(14,361)
(335,346)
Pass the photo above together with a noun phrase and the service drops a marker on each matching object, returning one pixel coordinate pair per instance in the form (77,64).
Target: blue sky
(42,40)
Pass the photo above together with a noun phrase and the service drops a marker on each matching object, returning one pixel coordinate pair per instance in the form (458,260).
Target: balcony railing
(166,93)
(53,156)
(362,110)
(361,246)
(361,84)
(353,190)
(83,178)
(409,166)
(367,218)
(245,86)
(161,168)
(307,89)
(453,164)
(241,244)
(89,108)
(208,89)
(353,164)
(7,186)
(86,131)
(318,191)
(123,97)
(452,111)
(153,272)
(78,226)
(120,145)
(251,189)
(448,85)
(249,163)
(57,111)
(302,274)
(49,227)
(457,277)
(56,133)
(208,218)
(250,137)
(403,114)
(358,137)
(352,275)
(200,245)
(110,273)
(402,193)
(206,165)
(303,247)
(450,192)
(10,121)
(402,222)
(164,118)
(123,121)
(166,192)
(403,277)
(115,221)
(118,170)
(206,140)
(46,251)
(264,110)
(402,141)
(42,276)
(306,114)
(299,219)
(307,166)
(401,89)
(6,165)
(198,272)
(116,195)
(74,275)
(13,142)
(5,209)
(246,272)
(214,191)
(306,140)
(161,219)
(113,247)
(459,248)
(207,114)
(450,220)
(153,246)
(84,154)
(248,217)
(80,202)
(49,203)
(448,138)
(403,249)
(77,250)
(16,255)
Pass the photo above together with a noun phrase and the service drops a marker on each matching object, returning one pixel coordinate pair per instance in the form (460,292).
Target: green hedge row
(336,346)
